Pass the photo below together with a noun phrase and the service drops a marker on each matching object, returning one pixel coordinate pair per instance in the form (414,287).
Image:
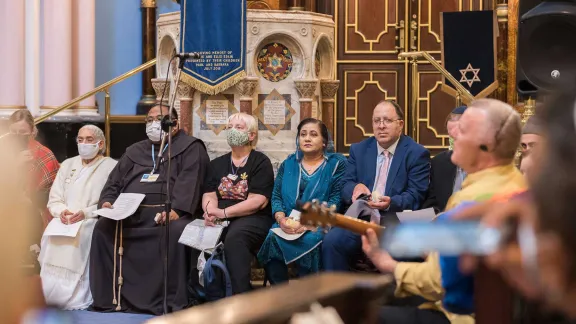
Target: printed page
(57,228)
(125,205)
(199,236)
(422,215)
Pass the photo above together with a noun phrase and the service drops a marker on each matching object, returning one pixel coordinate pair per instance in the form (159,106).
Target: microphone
(186,56)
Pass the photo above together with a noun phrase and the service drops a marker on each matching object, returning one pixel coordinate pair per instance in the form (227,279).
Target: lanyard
(232,164)
(154,157)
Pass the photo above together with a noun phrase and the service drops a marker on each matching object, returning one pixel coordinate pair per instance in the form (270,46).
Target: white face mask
(154,131)
(88,151)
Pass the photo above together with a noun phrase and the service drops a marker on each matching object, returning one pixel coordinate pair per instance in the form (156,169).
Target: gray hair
(504,127)
(98,135)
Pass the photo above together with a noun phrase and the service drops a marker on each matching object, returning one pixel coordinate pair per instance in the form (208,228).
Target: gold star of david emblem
(475,77)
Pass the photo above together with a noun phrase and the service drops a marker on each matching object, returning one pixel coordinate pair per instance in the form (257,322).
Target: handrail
(468,97)
(100,88)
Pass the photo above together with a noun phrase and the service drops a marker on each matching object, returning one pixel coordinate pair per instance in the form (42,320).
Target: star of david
(274,62)
(475,77)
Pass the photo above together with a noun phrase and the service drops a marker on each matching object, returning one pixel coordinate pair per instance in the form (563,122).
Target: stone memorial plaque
(215,110)
(274,111)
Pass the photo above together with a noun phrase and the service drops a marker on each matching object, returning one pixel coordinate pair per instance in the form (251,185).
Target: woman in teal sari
(310,173)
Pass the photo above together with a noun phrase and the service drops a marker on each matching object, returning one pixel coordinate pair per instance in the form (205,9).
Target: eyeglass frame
(384,121)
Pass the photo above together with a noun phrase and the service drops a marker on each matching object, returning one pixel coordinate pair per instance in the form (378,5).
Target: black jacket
(442,175)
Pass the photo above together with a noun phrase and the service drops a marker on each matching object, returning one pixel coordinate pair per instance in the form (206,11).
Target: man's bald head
(503,128)
(488,135)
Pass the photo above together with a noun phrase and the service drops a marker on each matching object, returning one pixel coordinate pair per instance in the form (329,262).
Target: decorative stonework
(329,88)
(267,111)
(306,88)
(184,91)
(274,62)
(215,110)
(255,29)
(303,31)
(247,86)
(161,86)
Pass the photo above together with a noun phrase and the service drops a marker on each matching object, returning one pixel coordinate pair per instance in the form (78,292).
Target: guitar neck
(355,225)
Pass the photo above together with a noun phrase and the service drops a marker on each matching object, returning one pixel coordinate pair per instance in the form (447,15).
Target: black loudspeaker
(546,46)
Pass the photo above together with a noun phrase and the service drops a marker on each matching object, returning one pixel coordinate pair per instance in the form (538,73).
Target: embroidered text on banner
(217,30)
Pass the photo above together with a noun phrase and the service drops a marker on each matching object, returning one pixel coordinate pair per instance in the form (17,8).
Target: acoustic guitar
(319,214)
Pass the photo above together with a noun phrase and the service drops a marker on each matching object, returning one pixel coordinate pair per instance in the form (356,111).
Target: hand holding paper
(125,205)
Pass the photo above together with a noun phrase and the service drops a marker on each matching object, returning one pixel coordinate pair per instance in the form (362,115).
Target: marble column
(328,89)
(502,52)
(57,54)
(306,88)
(296,5)
(246,89)
(12,66)
(32,57)
(185,93)
(84,53)
(161,86)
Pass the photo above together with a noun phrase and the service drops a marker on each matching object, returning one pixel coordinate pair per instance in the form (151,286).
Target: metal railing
(102,88)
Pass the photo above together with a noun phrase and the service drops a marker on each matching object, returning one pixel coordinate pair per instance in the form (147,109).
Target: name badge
(232,177)
(149,177)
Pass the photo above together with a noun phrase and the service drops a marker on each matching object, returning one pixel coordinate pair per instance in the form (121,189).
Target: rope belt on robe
(120,252)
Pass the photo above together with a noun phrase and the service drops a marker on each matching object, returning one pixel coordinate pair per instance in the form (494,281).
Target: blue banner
(217,30)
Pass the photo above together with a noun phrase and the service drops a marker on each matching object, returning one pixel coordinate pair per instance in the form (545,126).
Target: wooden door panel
(362,86)
(434,105)
(366,29)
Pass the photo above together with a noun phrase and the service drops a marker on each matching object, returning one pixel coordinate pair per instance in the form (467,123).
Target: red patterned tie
(383,174)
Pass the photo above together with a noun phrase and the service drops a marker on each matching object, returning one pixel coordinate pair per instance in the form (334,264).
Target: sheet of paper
(57,228)
(289,237)
(199,236)
(422,215)
(125,205)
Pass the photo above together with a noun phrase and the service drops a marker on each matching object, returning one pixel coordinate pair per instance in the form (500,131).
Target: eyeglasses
(385,121)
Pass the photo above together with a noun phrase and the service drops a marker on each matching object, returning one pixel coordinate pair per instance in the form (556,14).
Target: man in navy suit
(390,170)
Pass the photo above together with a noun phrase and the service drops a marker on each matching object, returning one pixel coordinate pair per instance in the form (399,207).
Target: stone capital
(161,86)
(184,91)
(306,88)
(329,88)
(246,87)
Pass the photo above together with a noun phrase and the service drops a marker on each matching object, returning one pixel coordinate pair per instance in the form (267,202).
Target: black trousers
(242,240)
(410,315)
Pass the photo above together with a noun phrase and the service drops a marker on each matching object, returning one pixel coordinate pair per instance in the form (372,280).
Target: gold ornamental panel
(429,32)
(433,105)
(369,26)
(363,90)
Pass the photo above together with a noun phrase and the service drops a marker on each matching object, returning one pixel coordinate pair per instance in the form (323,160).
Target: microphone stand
(167,127)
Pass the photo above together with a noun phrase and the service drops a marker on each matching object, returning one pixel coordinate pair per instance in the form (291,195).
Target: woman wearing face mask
(126,267)
(39,163)
(238,190)
(74,198)
(313,172)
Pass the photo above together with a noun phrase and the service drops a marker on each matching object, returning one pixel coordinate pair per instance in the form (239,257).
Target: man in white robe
(74,198)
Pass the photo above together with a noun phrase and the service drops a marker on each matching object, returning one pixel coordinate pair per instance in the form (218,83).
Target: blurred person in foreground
(20,293)
(541,261)
(484,147)
(74,198)
(39,163)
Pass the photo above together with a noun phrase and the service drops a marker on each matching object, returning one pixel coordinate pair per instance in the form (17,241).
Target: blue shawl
(317,188)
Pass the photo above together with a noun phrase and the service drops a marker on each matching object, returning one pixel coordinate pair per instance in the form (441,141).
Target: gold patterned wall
(370,35)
